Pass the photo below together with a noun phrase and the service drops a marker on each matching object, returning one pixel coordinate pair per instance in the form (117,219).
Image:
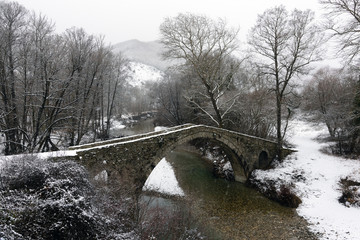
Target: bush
(26,173)
(41,199)
(57,221)
(282,193)
(286,197)
(350,192)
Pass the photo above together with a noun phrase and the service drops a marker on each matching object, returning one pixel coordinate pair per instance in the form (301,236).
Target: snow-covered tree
(329,96)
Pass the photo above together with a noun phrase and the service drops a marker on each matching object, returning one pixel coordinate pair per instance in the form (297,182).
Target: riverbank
(315,177)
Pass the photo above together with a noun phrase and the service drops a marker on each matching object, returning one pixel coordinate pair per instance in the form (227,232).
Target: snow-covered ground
(116,124)
(43,155)
(162,179)
(316,176)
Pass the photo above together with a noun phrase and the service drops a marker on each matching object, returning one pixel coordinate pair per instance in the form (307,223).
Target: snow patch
(116,124)
(141,73)
(145,136)
(160,128)
(43,155)
(227,166)
(5,160)
(162,179)
(102,176)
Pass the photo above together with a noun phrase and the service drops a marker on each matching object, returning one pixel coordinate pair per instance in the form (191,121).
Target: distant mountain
(148,53)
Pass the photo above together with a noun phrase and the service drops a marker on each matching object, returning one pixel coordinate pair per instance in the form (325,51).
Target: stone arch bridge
(131,159)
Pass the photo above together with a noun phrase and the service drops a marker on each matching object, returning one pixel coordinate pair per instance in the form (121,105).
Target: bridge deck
(143,136)
(129,138)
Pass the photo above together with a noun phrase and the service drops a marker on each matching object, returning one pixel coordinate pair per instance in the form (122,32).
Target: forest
(63,89)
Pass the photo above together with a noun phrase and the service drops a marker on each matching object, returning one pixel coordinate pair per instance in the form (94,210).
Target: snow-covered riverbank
(315,177)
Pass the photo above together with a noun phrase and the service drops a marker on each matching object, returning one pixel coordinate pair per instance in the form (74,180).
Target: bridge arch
(237,161)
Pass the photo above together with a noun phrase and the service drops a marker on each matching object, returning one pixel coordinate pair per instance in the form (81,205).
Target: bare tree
(344,22)
(41,84)
(12,24)
(170,99)
(355,118)
(51,84)
(329,96)
(205,47)
(80,46)
(41,78)
(286,44)
(113,81)
(256,113)
(86,65)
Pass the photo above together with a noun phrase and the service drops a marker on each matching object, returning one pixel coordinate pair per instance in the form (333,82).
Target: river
(227,210)
(231,210)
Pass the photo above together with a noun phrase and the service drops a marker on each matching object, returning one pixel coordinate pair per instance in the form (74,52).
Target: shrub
(41,199)
(281,193)
(57,221)
(350,192)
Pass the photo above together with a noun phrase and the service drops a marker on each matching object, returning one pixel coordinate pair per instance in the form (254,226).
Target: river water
(231,210)
(227,210)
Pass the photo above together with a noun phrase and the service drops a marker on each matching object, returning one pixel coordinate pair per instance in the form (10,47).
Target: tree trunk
(279,138)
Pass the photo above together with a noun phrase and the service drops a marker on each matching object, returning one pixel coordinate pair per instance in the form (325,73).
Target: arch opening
(234,153)
(237,168)
(263,160)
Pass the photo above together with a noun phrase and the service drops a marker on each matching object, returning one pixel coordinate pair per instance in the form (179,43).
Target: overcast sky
(121,20)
